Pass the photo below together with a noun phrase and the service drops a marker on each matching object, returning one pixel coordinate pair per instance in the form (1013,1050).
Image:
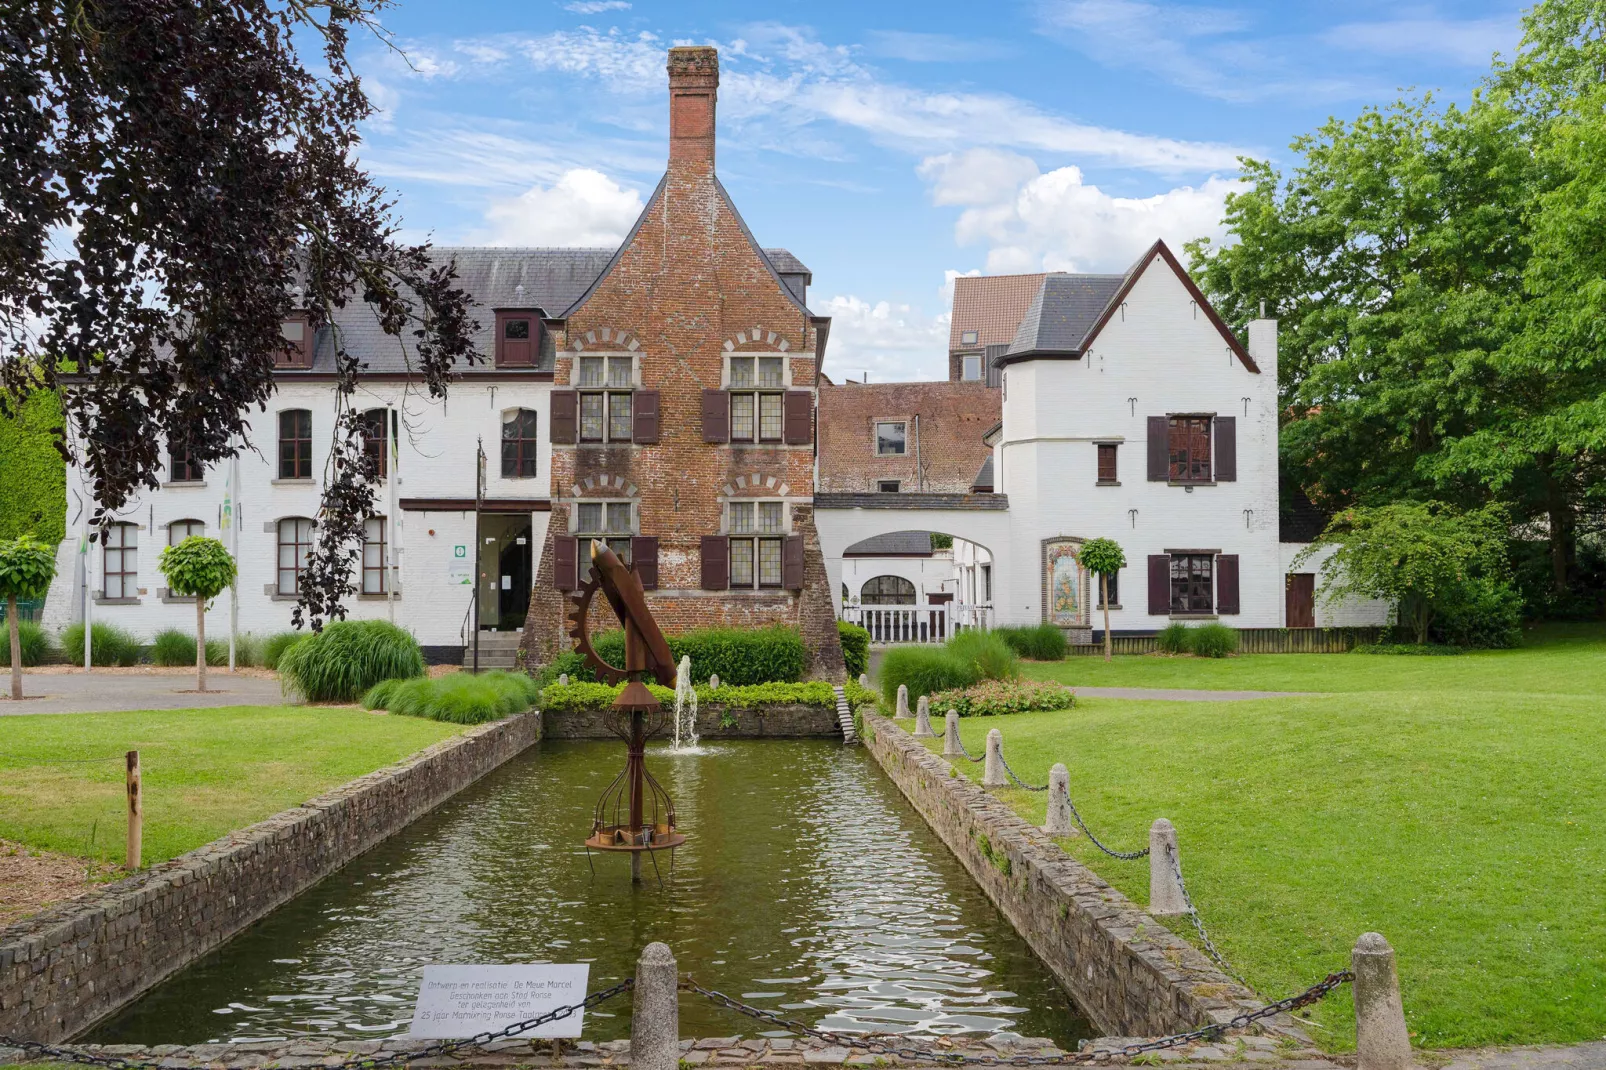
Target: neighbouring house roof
(983,483)
(990,305)
(893,544)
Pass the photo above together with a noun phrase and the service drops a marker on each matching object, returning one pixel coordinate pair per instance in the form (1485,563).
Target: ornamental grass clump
(347,658)
(109,645)
(1173,638)
(992,656)
(1213,640)
(274,646)
(172,647)
(923,670)
(1044,642)
(457,698)
(33,642)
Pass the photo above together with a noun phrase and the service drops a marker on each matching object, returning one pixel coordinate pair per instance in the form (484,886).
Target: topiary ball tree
(1104,557)
(201,567)
(26,568)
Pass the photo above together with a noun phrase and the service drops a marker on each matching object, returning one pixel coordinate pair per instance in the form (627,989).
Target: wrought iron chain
(892,1044)
(1125,856)
(1198,923)
(357,1062)
(1019,783)
(959,739)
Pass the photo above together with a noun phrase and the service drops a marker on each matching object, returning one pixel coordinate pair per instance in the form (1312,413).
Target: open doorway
(506,567)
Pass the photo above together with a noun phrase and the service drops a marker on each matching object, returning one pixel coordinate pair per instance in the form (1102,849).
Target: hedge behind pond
(738,656)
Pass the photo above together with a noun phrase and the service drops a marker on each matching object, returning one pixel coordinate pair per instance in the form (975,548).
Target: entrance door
(1301,599)
(506,556)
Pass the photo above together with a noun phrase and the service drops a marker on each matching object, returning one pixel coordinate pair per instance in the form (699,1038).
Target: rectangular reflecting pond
(807,886)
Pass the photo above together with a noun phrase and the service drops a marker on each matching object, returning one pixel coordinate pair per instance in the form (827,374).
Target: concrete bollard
(655,1012)
(563,679)
(903,702)
(1381,1039)
(1165,890)
(992,775)
(1059,802)
(864,680)
(923,719)
(950,736)
(713,681)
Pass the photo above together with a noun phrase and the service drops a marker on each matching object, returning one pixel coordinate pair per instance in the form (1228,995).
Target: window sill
(100,601)
(170,598)
(284,597)
(180,484)
(377,597)
(1112,609)
(299,481)
(612,443)
(1194,616)
(1190,483)
(1108,483)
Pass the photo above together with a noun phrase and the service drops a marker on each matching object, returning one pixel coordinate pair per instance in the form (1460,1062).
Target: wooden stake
(136,811)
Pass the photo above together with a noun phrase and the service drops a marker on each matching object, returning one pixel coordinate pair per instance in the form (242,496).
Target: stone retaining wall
(760,722)
(1130,974)
(63,970)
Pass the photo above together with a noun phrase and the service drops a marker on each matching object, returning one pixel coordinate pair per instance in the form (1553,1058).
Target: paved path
(1179,694)
(97,692)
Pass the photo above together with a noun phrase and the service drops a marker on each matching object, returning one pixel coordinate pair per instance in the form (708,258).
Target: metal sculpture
(635,813)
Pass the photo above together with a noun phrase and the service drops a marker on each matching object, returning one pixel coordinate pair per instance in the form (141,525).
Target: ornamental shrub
(35,645)
(737,655)
(993,658)
(1173,638)
(1479,612)
(458,698)
(924,670)
(172,647)
(347,658)
(274,646)
(1213,640)
(110,644)
(1045,642)
(990,698)
(855,648)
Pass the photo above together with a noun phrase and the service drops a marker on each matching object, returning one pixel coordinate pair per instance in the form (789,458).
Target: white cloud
(946,290)
(934,47)
(1058,222)
(596,7)
(583,208)
(889,342)
(1470,43)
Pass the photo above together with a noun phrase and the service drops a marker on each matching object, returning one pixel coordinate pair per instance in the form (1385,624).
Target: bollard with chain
(902,711)
(1059,802)
(1381,1040)
(951,745)
(864,680)
(655,1015)
(992,775)
(1166,897)
(923,719)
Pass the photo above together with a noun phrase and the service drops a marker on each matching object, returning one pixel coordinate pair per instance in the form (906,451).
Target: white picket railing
(917,624)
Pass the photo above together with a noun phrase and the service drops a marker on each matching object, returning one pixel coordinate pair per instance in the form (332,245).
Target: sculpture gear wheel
(578,615)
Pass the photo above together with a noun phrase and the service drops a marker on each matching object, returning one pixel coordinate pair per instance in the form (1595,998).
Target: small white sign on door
(462,1001)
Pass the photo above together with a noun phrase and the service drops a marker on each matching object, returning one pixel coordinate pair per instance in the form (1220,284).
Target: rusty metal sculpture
(635,813)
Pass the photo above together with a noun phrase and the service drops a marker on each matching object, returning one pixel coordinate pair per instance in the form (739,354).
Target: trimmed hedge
(576,697)
(855,648)
(110,645)
(458,698)
(1045,642)
(347,658)
(740,656)
(35,643)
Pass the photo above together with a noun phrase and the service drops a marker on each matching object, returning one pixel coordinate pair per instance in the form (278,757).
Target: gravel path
(106,690)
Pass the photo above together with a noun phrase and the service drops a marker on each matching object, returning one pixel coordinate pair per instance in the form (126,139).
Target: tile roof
(983,483)
(1065,308)
(900,543)
(990,305)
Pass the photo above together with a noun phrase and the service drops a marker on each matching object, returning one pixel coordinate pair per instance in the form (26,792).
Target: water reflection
(806,886)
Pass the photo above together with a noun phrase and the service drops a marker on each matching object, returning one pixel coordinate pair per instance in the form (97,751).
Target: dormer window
(296,332)
(967,338)
(518,339)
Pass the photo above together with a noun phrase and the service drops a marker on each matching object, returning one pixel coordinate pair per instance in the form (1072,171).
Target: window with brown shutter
(799,418)
(1159,584)
(1192,585)
(644,559)
(1227,599)
(518,339)
(715,554)
(563,428)
(756,399)
(716,418)
(1226,459)
(1158,457)
(519,450)
(1188,449)
(607,398)
(792,563)
(1107,470)
(646,430)
(565,563)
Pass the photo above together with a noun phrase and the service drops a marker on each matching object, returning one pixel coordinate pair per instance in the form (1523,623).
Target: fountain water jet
(685,719)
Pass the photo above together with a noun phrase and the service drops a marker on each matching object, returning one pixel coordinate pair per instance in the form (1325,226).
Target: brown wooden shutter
(716,418)
(565,563)
(798,423)
(563,427)
(1227,583)
(645,431)
(792,563)
(1159,585)
(1226,459)
(644,558)
(1159,449)
(716,555)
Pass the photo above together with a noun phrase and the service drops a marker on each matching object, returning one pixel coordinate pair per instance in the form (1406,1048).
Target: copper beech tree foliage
(177,177)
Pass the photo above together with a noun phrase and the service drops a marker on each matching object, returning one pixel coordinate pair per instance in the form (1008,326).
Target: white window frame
(126,547)
(965,366)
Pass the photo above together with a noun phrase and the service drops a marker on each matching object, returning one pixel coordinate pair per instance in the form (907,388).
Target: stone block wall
(63,970)
(1130,974)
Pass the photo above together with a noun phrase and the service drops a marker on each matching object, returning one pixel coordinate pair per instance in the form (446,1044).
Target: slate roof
(550,280)
(983,483)
(896,543)
(990,305)
(1062,313)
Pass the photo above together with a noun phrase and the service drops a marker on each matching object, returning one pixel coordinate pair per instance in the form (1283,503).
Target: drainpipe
(920,470)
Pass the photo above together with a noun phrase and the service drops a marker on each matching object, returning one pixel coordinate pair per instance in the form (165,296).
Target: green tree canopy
(1102,556)
(26,568)
(198,566)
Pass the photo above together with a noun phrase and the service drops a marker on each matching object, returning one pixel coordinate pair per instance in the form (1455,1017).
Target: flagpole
(390,515)
(231,524)
(89,583)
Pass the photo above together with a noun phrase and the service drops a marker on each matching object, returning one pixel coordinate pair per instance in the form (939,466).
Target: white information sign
(461,1001)
(460,568)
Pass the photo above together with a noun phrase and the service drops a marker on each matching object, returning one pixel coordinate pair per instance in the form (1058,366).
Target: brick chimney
(693,86)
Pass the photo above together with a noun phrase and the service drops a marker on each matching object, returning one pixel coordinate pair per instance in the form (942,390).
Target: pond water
(807,886)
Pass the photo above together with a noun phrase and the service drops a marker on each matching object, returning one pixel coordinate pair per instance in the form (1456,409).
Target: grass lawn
(1456,805)
(205,772)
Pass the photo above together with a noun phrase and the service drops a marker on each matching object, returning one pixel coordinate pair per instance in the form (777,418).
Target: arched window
(887,591)
(120,561)
(376,439)
(518,444)
(295,444)
(295,543)
(179,530)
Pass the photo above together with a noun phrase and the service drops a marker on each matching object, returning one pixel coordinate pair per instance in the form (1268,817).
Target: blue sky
(890,146)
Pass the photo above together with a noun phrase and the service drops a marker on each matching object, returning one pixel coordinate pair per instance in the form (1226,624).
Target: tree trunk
(200,643)
(16,649)
(1560,514)
(1104,599)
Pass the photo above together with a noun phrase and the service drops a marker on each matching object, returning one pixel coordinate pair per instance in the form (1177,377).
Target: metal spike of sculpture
(635,813)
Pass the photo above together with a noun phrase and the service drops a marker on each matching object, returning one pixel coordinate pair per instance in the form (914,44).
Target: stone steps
(844,715)
(498,650)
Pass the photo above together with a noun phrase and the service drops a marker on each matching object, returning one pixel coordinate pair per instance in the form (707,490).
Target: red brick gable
(952,418)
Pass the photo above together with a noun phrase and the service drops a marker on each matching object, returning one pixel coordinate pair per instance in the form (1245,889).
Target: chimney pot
(693,88)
